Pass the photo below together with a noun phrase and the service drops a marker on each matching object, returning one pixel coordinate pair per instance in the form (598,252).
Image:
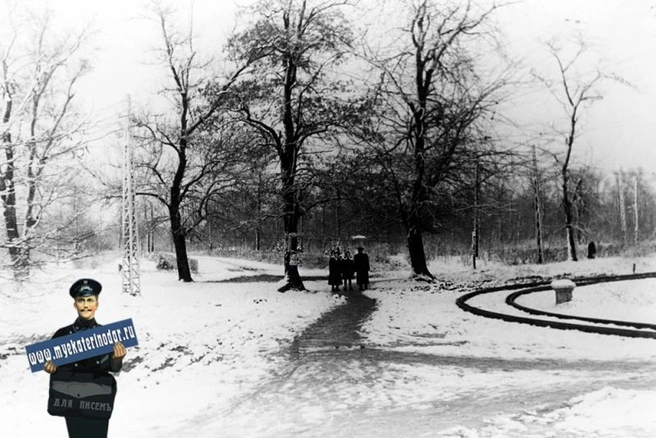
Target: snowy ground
(214,357)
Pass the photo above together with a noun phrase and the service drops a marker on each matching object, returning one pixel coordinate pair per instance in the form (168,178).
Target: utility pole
(130,230)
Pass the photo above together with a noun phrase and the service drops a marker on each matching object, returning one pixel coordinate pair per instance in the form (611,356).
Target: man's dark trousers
(80,427)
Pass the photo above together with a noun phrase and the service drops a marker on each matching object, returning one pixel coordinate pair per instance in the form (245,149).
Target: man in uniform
(85,301)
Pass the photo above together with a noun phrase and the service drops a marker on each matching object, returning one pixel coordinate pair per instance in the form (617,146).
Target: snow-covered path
(375,393)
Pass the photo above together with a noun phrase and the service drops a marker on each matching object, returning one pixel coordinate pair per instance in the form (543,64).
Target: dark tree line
(506,216)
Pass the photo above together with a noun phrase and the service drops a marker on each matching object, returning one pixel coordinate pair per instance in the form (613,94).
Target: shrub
(168,262)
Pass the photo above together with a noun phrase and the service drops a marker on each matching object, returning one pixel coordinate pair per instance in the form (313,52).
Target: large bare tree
(432,101)
(183,164)
(292,97)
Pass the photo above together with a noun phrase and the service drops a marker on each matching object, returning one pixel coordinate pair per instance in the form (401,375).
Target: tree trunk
(417,202)
(568,207)
(569,220)
(636,228)
(417,255)
(415,238)
(288,162)
(178,233)
(620,189)
(180,244)
(538,208)
(571,242)
(8,197)
(476,227)
(291,216)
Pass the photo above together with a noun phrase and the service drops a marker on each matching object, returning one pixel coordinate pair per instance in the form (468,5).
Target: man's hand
(50,367)
(119,352)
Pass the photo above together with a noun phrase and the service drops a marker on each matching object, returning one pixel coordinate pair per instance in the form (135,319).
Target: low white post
(563,290)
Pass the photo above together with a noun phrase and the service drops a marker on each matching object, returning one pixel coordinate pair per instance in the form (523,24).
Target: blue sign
(81,345)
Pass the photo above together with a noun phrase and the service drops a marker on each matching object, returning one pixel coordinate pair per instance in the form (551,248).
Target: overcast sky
(619,130)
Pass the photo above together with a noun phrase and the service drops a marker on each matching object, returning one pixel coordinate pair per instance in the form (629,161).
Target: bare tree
(432,104)
(292,97)
(38,74)
(183,168)
(574,91)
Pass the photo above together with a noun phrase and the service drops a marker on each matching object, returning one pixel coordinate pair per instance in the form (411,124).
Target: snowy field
(213,357)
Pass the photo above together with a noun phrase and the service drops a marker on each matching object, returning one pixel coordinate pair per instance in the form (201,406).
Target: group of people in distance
(342,269)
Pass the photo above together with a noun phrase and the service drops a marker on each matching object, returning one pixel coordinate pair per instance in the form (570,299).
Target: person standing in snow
(88,377)
(348,270)
(361,262)
(334,273)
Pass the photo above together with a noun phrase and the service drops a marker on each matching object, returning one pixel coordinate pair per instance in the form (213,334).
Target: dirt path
(338,328)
